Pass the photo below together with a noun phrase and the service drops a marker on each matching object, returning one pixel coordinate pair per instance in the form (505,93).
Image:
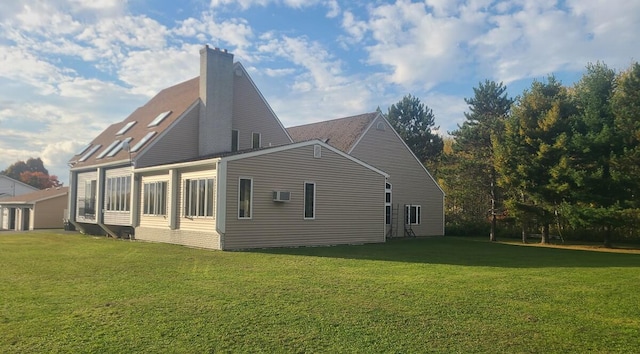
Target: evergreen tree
(415,123)
(474,139)
(531,157)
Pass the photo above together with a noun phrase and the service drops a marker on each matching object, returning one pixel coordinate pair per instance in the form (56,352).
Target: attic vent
(106,151)
(317,151)
(126,128)
(380,126)
(159,119)
(281,196)
(141,143)
(88,154)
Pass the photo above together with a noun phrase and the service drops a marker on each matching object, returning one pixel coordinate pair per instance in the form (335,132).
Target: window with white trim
(309,200)
(118,193)
(155,198)
(387,203)
(255,140)
(88,209)
(245,198)
(199,197)
(412,214)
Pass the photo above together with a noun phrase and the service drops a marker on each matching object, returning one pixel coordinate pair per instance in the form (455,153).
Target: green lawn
(74,293)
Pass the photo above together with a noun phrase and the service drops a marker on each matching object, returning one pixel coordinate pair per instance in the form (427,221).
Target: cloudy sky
(69,68)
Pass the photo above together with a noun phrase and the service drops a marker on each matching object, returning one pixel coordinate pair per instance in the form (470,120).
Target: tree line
(555,159)
(33,173)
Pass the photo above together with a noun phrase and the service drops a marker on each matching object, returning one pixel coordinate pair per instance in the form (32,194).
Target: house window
(118,193)
(199,197)
(235,140)
(89,203)
(412,214)
(255,140)
(245,196)
(387,203)
(309,200)
(155,198)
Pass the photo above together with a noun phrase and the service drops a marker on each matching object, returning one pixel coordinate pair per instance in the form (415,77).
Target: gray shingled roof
(33,197)
(341,133)
(175,99)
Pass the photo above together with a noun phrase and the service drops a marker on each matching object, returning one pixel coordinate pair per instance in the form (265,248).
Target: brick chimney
(216,93)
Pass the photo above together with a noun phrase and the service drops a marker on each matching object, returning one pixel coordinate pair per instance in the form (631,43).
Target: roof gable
(341,133)
(169,104)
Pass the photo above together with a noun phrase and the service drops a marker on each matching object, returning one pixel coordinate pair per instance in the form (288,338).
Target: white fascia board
(301,144)
(119,163)
(381,116)
(212,161)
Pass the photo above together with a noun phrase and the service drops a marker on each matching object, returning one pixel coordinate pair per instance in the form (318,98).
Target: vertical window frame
(253,140)
(240,201)
(412,217)
(235,140)
(313,201)
(155,198)
(199,199)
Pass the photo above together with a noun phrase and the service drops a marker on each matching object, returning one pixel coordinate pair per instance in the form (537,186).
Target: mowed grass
(74,293)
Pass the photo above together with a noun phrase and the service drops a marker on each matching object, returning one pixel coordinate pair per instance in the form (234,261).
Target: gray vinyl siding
(251,114)
(178,142)
(122,218)
(349,201)
(154,221)
(411,184)
(82,179)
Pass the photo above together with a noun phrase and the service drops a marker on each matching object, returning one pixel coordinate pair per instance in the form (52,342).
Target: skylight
(106,151)
(159,119)
(118,147)
(84,149)
(126,127)
(144,140)
(88,154)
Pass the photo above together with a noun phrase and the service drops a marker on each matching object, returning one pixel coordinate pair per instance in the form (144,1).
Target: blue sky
(70,68)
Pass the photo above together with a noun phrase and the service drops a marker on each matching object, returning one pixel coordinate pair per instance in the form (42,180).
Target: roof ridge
(334,119)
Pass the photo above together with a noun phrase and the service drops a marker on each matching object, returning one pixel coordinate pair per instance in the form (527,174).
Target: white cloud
(322,71)
(149,71)
(236,32)
(421,49)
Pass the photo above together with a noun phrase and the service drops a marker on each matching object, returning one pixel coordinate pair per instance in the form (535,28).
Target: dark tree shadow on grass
(467,252)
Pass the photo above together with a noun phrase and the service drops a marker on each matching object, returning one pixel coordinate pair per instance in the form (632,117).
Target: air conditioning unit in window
(281,196)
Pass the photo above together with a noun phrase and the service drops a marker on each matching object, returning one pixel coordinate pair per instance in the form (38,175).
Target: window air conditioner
(281,196)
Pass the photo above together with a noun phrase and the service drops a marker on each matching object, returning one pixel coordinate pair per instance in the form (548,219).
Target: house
(10,187)
(414,202)
(207,163)
(41,209)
